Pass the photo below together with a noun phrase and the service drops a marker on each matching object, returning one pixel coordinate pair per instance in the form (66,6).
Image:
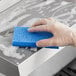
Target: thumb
(47,42)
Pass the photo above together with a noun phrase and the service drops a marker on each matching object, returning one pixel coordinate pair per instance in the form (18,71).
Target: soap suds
(73,11)
(8,25)
(16,12)
(74,26)
(61,5)
(33,49)
(31,22)
(11,51)
(43,4)
(1,74)
(43,9)
(7,49)
(67,17)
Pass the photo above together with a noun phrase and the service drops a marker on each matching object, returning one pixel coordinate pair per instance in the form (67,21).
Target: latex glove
(63,34)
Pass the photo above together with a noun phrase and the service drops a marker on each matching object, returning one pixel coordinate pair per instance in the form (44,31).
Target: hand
(62,33)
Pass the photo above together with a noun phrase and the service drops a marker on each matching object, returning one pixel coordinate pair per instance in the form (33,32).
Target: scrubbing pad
(23,38)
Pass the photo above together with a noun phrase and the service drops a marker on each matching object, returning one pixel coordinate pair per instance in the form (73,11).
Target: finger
(47,42)
(39,22)
(40,28)
(50,18)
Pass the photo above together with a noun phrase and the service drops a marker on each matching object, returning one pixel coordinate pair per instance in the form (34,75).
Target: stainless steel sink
(18,61)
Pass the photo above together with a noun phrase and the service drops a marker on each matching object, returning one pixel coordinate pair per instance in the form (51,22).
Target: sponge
(23,38)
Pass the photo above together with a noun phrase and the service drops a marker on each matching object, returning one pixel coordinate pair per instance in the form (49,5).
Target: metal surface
(34,61)
(68,70)
(5,4)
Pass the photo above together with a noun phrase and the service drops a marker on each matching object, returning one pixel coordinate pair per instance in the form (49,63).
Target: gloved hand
(63,35)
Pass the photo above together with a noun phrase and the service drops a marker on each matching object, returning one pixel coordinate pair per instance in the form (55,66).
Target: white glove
(63,35)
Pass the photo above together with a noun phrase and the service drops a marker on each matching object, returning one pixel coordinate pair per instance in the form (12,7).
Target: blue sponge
(23,38)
